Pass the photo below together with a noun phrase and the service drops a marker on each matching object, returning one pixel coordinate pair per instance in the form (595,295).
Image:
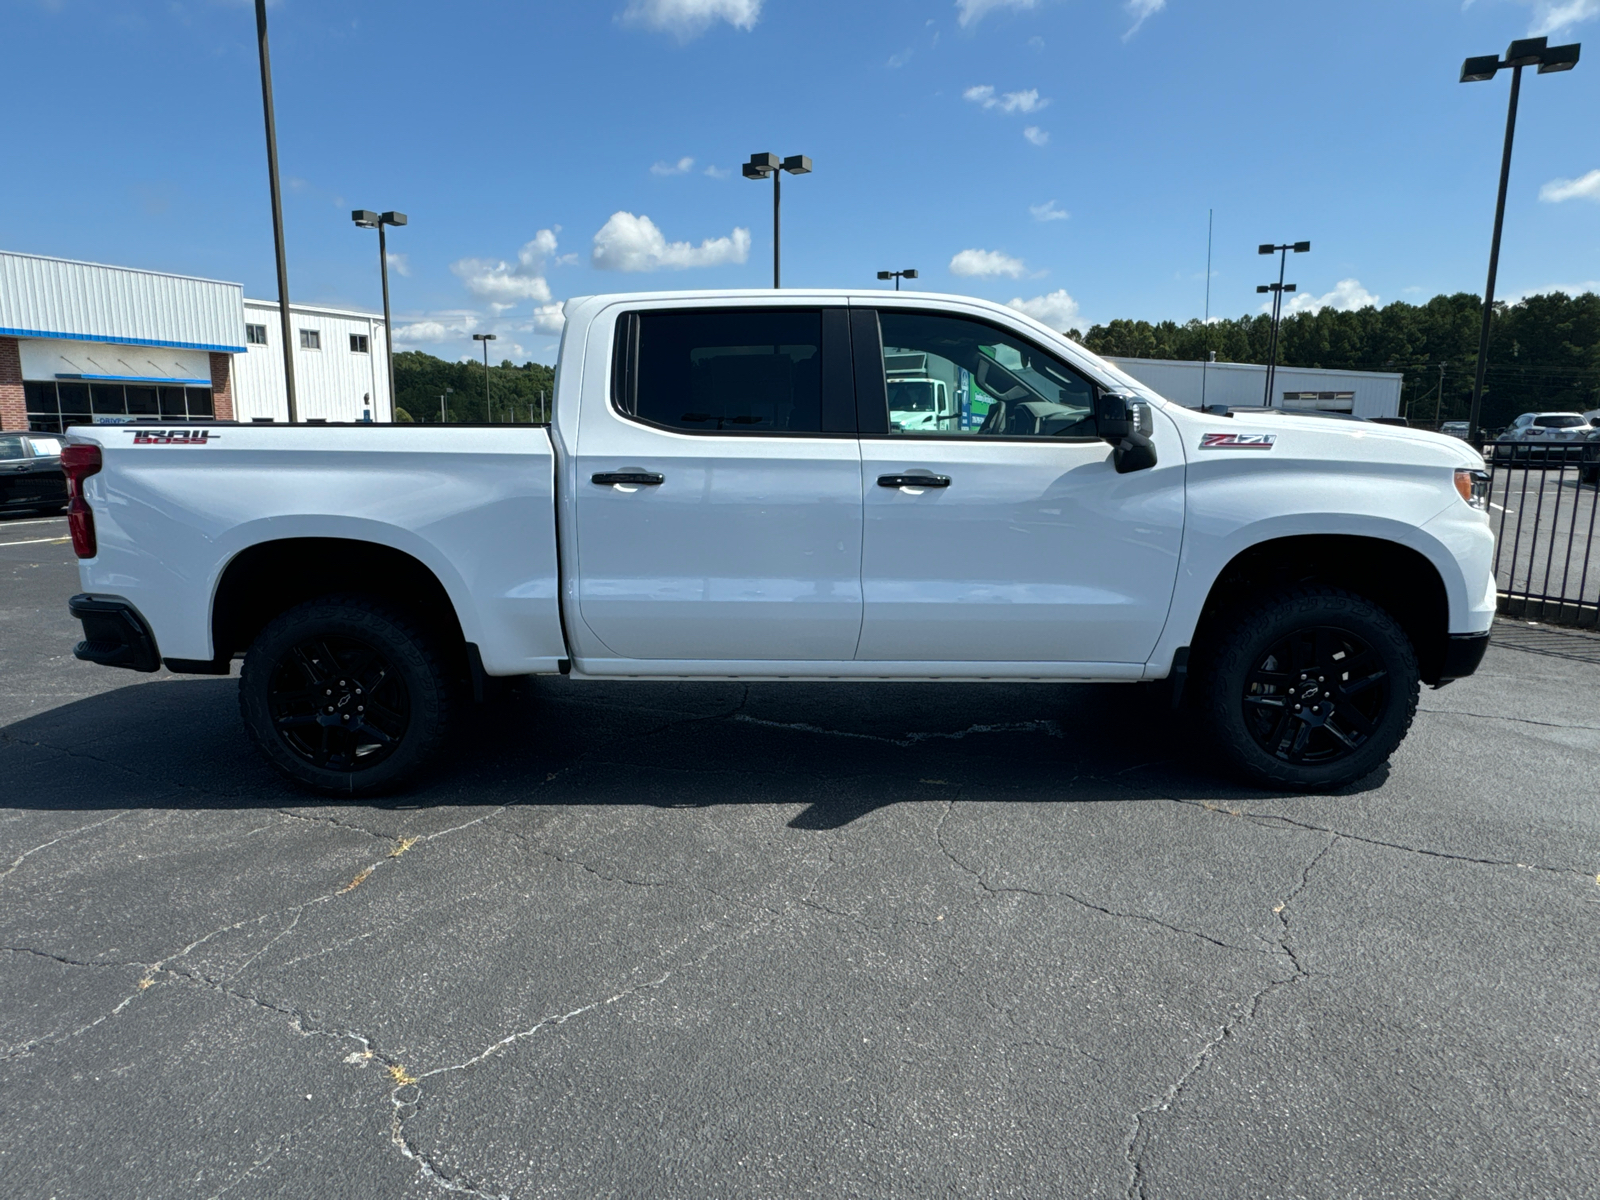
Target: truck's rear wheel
(344,696)
(1310,689)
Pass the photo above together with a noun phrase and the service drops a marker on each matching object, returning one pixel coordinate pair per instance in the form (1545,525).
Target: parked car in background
(1457,429)
(31,478)
(1551,439)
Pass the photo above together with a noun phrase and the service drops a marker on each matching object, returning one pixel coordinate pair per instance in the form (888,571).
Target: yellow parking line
(38,542)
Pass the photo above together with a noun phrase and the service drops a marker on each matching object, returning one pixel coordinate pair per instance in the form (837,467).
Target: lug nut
(1296,708)
(346,717)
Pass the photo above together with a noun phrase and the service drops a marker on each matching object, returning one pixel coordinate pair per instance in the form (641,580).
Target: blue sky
(1060,153)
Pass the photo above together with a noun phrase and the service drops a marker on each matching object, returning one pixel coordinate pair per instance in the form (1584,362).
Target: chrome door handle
(925,481)
(637,478)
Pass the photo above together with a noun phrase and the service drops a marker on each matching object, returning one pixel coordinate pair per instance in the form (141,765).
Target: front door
(719,491)
(1001,532)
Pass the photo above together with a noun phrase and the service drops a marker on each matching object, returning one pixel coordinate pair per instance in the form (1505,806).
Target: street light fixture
(485,338)
(1277,290)
(897,276)
(1526,52)
(762,165)
(365,218)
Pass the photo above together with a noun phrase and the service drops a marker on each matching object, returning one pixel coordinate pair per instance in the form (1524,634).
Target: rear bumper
(115,635)
(1462,655)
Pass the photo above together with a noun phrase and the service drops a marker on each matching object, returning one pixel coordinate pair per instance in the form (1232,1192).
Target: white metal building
(85,342)
(82,342)
(341,370)
(1296,389)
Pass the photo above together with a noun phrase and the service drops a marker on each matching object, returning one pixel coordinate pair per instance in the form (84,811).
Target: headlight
(1474,487)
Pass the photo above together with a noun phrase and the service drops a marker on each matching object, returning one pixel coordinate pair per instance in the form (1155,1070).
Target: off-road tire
(313,666)
(1234,700)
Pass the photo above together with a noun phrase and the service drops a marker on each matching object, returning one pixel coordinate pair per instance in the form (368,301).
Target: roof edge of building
(84,262)
(296,307)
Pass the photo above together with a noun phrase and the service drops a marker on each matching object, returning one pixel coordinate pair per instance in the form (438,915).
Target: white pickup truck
(721,495)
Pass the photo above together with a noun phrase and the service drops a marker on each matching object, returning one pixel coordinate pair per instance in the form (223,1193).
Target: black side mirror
(1126,423)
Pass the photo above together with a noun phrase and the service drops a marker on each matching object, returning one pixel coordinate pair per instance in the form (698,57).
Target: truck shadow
(837,750)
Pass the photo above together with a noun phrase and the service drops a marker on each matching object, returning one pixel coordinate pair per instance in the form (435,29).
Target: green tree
(517,394)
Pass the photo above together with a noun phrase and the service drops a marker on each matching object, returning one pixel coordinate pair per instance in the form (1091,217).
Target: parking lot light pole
(759,167)
(286,322)
(1277,290)
(365,218)
(485,338)
(1527,52)
(897,276)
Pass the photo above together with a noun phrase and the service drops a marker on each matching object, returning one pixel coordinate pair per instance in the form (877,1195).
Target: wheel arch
(269,577)
(1398,578)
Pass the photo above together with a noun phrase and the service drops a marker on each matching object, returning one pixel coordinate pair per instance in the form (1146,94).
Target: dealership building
(82,342)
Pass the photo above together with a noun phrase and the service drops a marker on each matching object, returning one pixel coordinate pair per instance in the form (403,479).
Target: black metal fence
(1544,505)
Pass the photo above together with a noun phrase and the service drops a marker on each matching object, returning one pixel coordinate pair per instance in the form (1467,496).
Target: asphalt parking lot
(842,940)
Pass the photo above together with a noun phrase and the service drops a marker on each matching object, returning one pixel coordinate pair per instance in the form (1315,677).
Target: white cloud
(970,12)
(1036,135)
(686,19)
(1347,296)
(719,172)
(901,59)
(504,284)
(1057,310)
(1048,211)
(434,328)
(982,263)
(630,243)
(1556,16)
(1025,102)
(399,262)
(1586,187)
(1141,11)
(549,318)
(682,167)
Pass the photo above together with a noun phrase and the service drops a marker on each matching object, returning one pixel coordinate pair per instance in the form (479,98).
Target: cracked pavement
(779,940)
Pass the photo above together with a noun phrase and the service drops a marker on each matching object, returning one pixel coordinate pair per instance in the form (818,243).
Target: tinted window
(11,447)
(74,399)
(948,376)
(725,371)
(1561,422)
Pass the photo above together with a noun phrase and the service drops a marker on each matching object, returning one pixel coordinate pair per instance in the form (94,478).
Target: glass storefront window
(107,399)
(74,400)
(52,406)
(172,404)
(142,401)
(199,402)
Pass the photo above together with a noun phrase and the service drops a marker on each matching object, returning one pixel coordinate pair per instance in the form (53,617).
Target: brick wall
(13,408)
(222,386)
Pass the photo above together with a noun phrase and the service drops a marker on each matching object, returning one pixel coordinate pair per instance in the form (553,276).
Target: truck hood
(1331,438)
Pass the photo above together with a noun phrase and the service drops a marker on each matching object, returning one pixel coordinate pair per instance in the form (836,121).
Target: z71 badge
(172,437)
(1237,441)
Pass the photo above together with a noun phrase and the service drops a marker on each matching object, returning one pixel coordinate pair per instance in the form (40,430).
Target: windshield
(911,395)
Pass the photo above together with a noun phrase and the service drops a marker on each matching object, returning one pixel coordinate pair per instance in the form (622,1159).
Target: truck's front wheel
(1310,689)
(344,696)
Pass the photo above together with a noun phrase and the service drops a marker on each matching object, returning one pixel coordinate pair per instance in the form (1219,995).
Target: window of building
(311,339)
(952,377)
(255,335)
(358,343)
(724,371)
(53,406)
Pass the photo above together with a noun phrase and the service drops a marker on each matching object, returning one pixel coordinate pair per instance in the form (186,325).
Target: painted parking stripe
(37,542)
(38,521)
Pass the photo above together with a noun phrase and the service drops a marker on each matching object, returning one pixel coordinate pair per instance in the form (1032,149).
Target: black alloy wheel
(1310,688)
(339,703)
(1316,696)
(345,695)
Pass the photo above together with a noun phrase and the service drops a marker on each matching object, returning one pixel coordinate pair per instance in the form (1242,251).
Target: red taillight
(80,461)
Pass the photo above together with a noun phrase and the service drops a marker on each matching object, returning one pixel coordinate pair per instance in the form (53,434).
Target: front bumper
(1462,654)
(115,635)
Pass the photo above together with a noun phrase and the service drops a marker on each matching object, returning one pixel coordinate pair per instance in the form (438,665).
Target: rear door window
(722,370)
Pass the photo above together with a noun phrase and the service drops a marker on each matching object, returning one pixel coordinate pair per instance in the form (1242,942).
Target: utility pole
(286,324)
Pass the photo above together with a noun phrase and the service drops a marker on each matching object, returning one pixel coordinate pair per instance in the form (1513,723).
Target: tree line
(515,394)
(1544,351)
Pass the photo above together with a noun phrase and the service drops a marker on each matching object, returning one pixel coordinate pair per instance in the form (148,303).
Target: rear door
(14,467)
(718,490)
(1005,534)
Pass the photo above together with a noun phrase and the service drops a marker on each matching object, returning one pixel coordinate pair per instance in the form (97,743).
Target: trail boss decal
(172,437)
(1237,441)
